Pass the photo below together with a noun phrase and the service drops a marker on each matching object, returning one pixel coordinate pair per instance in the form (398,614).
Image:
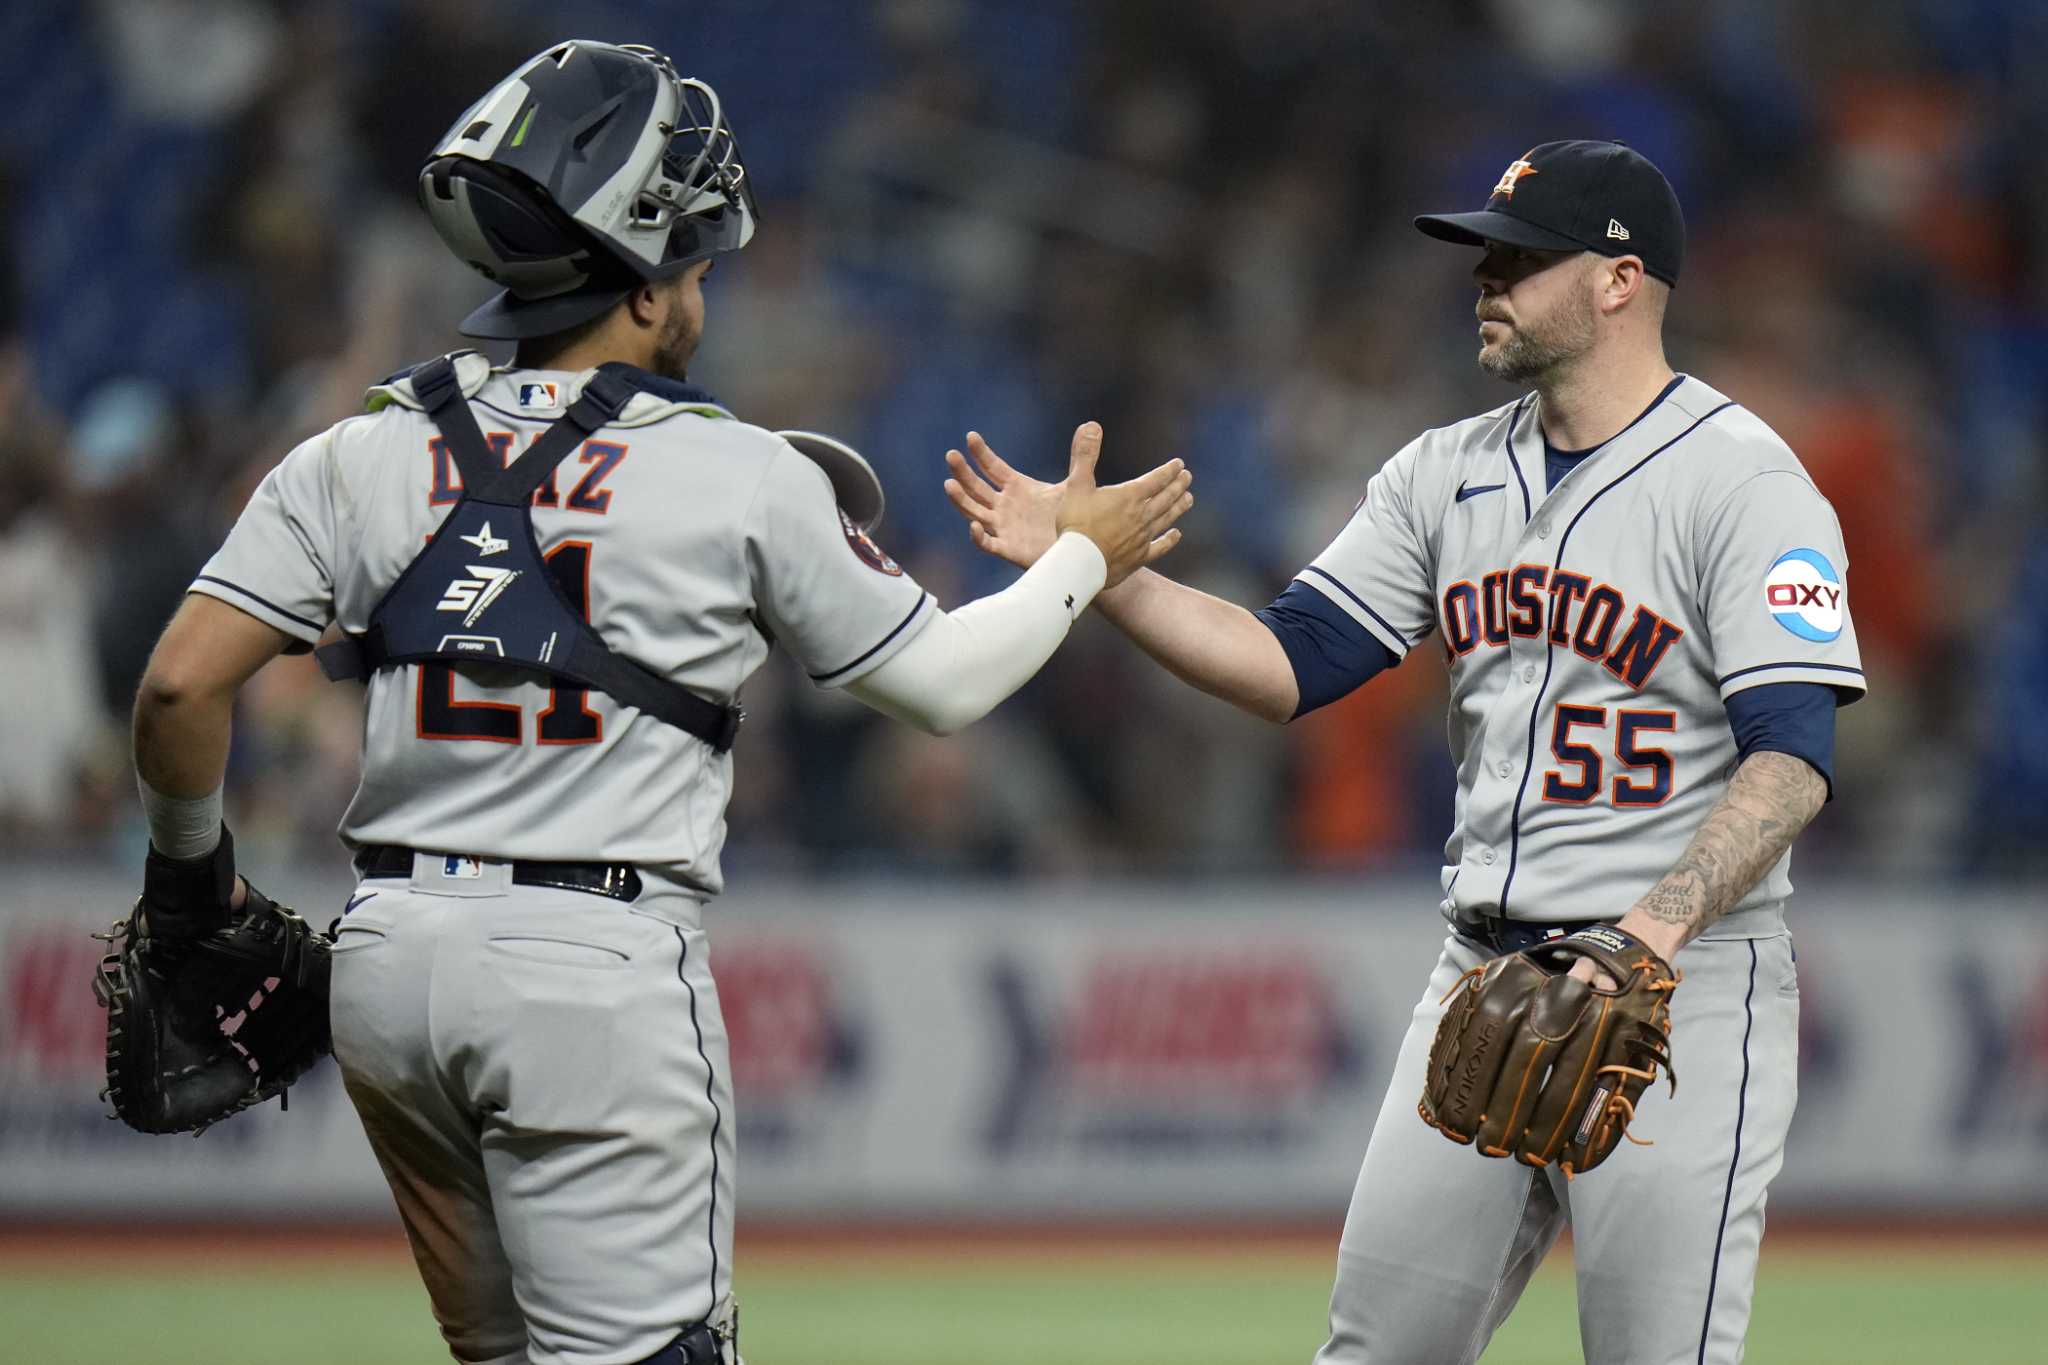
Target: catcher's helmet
(590,170)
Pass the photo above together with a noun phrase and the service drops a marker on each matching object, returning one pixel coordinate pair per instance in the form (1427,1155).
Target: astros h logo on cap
(1513,173)
(1603,197)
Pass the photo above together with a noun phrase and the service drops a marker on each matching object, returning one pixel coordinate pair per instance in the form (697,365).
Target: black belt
(1515,935)
(620,881)
(700,1345)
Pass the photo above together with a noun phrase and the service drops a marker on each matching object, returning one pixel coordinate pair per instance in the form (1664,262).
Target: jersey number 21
(567,718)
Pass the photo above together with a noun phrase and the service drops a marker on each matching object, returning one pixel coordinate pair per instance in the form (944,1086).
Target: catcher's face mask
(593,168)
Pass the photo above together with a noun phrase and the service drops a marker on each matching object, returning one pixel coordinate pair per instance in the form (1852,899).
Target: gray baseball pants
(1440,1241)
(543,1076)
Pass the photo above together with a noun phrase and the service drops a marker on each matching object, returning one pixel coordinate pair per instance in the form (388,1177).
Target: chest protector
(480,591)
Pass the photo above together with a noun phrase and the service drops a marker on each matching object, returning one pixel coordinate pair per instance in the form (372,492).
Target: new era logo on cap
(1616,231)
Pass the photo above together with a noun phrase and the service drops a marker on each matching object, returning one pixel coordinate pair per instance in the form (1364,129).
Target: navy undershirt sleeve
(1332,654)
(1796,718)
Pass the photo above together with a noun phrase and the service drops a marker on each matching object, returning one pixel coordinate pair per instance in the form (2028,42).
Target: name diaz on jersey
(600,458)
(1578,614)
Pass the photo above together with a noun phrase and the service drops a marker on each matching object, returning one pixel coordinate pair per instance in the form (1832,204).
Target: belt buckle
(621,882)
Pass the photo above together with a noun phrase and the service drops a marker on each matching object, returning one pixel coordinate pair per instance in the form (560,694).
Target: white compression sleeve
(965,662)
(181,827)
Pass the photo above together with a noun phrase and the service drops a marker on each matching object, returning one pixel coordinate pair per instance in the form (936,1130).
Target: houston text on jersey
(1580,614)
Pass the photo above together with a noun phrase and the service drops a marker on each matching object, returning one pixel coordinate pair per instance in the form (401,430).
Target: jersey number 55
(1648,782)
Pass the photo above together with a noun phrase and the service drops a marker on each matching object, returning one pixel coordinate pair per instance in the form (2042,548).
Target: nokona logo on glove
(1613,940)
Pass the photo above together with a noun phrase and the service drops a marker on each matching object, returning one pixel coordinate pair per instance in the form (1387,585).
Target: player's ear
(1619,279)
(645,305)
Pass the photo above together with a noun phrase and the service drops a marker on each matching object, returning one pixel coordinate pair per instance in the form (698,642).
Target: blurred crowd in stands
(1187,219)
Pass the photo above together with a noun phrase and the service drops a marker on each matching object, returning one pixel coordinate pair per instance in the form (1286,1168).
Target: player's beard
(678,343)
(1539,348)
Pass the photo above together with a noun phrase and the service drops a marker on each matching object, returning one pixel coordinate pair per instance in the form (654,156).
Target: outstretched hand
(1016,517)
(1009,515)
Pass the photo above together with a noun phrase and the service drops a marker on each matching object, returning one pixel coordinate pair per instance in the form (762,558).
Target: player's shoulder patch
(1804,593)
(865,549)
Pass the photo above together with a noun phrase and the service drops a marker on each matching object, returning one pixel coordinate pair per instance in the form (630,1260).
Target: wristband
(181,827)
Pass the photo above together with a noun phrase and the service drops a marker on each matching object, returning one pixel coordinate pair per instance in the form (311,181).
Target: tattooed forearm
(1769,800)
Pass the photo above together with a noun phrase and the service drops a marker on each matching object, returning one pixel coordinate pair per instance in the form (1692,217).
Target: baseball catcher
(211,1006)
(1533,1061)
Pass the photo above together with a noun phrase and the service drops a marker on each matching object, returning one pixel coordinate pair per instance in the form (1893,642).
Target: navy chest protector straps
(481,592)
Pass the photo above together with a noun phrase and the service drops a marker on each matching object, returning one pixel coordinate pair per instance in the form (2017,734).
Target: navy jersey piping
(1579,457)
(878,645)
(1507,447)
(1728,1191)
(1550,660)
(717,1114)
(1789,663)
(1655,403)
(1384,625)
(260,601)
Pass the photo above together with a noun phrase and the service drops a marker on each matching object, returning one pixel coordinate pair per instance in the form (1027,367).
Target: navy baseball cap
(1577,196)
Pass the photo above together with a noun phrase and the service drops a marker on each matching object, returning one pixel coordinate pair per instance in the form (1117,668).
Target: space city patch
(870,553)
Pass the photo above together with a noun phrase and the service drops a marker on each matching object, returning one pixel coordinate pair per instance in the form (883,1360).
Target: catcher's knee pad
(714,1341)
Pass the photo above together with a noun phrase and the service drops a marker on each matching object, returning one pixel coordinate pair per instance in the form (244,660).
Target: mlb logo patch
(462,867)
(539,395)
(1804,594)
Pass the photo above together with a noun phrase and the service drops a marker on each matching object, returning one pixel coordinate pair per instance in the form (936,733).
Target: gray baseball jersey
(690,539)
(1594,633)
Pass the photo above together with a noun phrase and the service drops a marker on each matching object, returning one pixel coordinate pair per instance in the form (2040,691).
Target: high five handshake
(1209,643)
(1018,518)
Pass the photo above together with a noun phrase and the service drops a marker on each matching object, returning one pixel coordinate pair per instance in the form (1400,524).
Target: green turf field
(1815,1307)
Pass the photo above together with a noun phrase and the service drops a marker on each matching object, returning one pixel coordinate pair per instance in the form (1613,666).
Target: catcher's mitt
(208,1011)
(1532,1064)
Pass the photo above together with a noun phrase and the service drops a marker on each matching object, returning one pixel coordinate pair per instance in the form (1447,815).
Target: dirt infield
(58,1245)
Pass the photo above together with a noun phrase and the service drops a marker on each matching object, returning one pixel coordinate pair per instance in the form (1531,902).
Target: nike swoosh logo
(354,901)
(1465,491)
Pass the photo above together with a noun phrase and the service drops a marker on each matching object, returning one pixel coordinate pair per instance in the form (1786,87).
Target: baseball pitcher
(1642,602)
(554,579)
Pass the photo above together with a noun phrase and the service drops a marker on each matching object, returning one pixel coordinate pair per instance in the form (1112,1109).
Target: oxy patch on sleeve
(1804,594)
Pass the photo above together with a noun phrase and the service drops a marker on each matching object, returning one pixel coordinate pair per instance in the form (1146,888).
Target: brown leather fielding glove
(1532,1064)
